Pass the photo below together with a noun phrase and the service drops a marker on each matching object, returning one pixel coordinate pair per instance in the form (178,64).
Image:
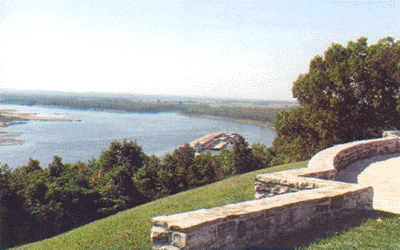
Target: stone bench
(286,202)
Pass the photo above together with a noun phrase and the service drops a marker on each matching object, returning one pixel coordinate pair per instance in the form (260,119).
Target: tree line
(350,93)
(257,113)
(76,102)
(37,202)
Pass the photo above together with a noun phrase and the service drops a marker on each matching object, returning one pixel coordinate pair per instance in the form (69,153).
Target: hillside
(130,229)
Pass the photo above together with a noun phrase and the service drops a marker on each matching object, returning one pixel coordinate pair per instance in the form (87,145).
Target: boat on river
(213,141)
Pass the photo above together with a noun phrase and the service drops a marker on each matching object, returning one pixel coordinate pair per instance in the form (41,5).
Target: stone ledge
(234,225)
(340,156)
(296,200)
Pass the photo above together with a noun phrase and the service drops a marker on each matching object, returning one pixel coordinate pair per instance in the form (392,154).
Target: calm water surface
(157,133)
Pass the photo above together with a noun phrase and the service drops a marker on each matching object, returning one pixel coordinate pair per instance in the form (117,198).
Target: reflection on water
(157,133)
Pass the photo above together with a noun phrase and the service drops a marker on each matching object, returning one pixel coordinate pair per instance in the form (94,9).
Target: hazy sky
(239,49)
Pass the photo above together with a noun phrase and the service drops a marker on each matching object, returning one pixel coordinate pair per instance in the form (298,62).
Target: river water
(156,133)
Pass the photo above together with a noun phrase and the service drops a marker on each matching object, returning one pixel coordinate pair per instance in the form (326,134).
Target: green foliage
(147,179)
(130,229)
(126,153)
(38,203)
(243,158)
(6,196)
(120,104)
(261,114)
(177,165)
(204,170)
(262,154)
(56,168)
(350,93)
(225,161)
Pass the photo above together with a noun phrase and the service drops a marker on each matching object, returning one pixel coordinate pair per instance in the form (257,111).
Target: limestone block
(285,217)
(241,229)
(365,199)
(275,189)
(169,248)
(301,214)
(160,236)
(337,202)
(391,134)
(227,230)
(259,195)
(283,190)
(179,239)
(257,224)
(322,208)
(350,202)
(201,237)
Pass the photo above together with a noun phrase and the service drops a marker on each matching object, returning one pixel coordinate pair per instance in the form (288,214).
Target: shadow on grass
(302,239)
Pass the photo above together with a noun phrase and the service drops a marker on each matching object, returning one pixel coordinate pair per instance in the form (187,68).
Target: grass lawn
(130,229)
(380,232)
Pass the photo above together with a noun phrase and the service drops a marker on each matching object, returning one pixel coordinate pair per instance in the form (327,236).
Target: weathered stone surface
(160,236)
(298,199)
(179,239)
(169,248)
(201,238)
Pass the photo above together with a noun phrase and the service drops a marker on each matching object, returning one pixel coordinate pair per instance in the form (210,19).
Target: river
(156,133)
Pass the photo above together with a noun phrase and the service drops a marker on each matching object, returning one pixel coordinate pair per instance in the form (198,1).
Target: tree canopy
(37,203)
(350,93)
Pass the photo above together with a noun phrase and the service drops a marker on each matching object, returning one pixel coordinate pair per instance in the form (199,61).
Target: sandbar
(12,117)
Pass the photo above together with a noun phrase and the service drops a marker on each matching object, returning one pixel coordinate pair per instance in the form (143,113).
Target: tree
(146,178)
(125,190)
(243,159)
(203,171)
(33,166)
(132,155)
(56,167)
(126,153)
(109,158)
(6,195)
(178,165)
(224,161)
(262,155)
(350,93)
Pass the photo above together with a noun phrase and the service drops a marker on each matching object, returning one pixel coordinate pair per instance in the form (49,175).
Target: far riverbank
(251,122)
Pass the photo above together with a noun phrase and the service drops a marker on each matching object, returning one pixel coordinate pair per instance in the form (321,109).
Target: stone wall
(286,202)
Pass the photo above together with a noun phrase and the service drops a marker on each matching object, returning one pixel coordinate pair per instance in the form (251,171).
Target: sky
(220,48)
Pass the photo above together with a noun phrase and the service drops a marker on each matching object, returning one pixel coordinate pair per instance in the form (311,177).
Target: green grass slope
(130,229)
(380,232)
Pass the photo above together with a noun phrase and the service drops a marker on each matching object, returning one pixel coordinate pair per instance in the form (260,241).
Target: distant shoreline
(252,122)
(33,116)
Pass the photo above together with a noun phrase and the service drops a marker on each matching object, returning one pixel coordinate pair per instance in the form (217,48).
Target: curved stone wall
(286,202)
(340,156)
